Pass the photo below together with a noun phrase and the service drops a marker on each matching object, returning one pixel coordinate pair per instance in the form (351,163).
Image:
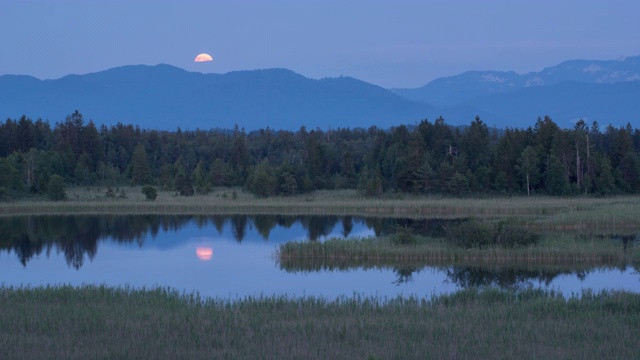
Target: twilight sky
(397,43)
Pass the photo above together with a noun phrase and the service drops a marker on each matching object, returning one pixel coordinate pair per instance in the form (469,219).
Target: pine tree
(139,170)
(201,179)
(263,182)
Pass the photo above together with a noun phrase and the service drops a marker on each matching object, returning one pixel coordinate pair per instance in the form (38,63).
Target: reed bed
(100,322)
(568,211)
(561,250)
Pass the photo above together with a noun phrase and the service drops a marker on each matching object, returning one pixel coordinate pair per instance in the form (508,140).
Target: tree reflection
(404,274)
(347,225)
(318,226)
(627,240)
(25,249)
(264,224)
(218,222)
(239,226)
(77,237)
(506,277)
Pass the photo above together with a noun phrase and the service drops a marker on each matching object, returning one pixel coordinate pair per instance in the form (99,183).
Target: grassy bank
(551,250)
(544,212)
(97,322)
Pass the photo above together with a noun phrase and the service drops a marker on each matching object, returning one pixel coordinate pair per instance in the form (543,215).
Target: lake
(232,256)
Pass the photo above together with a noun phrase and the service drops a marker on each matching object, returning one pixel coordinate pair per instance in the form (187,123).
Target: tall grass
(546,212)
(99,322)
(551,250)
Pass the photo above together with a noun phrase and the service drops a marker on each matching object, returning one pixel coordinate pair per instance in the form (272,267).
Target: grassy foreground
(100,322)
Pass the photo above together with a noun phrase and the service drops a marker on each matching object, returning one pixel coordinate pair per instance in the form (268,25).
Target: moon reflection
(204,253)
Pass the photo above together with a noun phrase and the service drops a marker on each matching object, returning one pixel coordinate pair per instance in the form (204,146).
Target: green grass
(551,250)
(99,322)
(579,213)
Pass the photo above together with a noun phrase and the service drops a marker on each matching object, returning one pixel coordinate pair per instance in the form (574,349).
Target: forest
(38,159)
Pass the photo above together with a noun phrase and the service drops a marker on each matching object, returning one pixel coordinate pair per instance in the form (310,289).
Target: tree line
(37,159)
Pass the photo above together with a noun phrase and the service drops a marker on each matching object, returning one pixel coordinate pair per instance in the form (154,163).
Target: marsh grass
(366,252)
(100,322)
(543,212)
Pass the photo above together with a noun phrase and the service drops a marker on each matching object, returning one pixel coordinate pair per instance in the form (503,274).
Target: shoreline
(337,202)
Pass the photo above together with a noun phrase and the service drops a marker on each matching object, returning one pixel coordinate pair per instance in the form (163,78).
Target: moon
(203,58)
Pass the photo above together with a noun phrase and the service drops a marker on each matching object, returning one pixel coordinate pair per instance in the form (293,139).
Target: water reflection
(204,253)
(77,237)
(233,255)
(509,277)
(503,277)
(404,274)
(627,240)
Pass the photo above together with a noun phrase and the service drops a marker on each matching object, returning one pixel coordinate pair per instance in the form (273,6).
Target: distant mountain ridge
(451,90)
(166,97)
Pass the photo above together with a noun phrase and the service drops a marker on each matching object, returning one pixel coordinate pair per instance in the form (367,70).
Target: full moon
(203,57)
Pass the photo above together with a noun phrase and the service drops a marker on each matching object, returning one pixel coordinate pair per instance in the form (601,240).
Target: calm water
(233,256)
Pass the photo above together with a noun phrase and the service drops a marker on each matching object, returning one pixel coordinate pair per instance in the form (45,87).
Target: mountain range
(167,97)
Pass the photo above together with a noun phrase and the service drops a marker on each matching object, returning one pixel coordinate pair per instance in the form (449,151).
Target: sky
(393,44)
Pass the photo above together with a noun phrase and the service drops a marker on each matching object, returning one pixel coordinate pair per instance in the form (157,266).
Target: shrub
(404,236)
(110,193)
(150,192)
(470,234)
(508,234)
(122,194)
(475,234)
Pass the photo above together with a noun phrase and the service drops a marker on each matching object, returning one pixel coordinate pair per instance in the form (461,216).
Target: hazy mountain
(458,89)
(565,102)
(166,97)
(606,91)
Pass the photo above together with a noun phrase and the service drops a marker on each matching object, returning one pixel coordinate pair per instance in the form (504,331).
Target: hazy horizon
(391,44)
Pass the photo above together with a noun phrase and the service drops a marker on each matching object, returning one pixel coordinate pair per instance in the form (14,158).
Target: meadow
(544,212)
(99,322)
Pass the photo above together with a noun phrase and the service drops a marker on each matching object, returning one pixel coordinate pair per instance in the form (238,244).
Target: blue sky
(389,43)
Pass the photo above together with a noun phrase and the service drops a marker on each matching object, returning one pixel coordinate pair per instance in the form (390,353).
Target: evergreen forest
(37,159)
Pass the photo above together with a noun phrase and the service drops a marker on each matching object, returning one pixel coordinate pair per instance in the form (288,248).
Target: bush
(110,193)
(475,234)
(471,234)
(404,236)
(150,192)
(122,194)
(509,234)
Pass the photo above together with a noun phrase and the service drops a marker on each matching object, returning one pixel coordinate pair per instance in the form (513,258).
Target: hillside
(165,97)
